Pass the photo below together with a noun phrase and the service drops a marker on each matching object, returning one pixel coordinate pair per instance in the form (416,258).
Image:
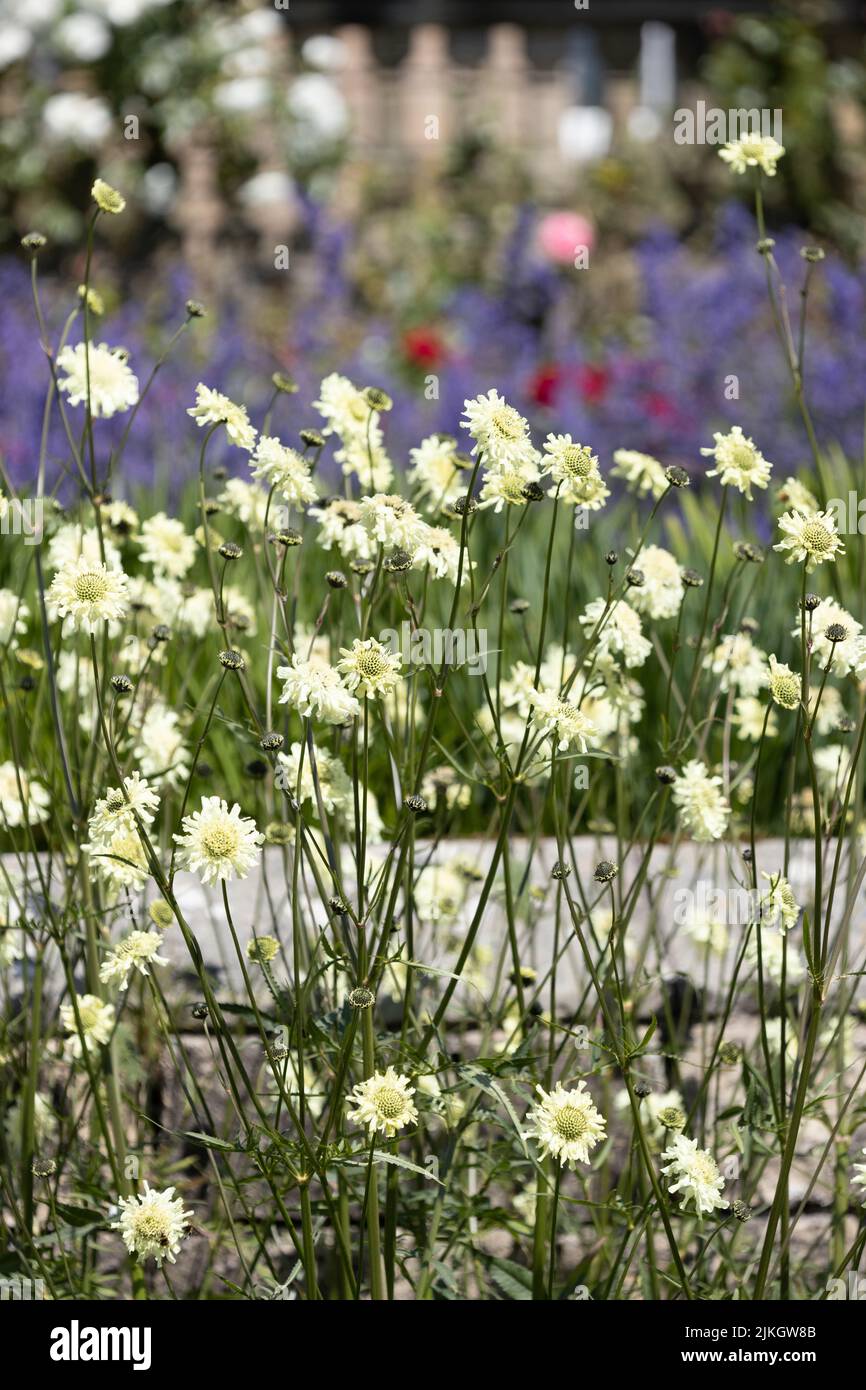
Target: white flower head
(23,800)
(571,466)
(620,632)
(740,665)
(89,593)
(284,469)
(391,520)
(383,1102)
(434,471)
(643,474)
(218,844)
(694,1173)
(561,720)
(845,650)
(753,151)
(213,408)
(739,462)
(97,1022)
(662,590)
(702,806)
(566,1124)
(113,387)
(779,907)
(167,545)
(316,691)
(809,536)
(369,669)
(500,432)
(153,1224)
(135,952)
(785,685)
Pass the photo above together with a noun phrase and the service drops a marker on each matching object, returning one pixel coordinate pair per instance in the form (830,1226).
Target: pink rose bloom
(561,234)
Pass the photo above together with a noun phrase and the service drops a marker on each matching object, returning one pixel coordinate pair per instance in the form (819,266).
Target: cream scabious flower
(340,526)
(779,907)
(643,474)
(570,465)
(383,1102)
(71,541)
(434,471)
(213,408)
(106,198)
(218,844)
(694,1173)
(283,469)
(152,1224)
(785,685)
(753,151)
(739,463)
(565,1124)
(748,719)
(316,691)
(739,664)
(500,432)
(391,521)
(620,632)
(113,386)
(847,654)
(662,591)
(504,484)
(439,551)
(335,785)
(13,618)
(119,858)
(23,800)
(367,461)
(343,406)
(563,721)
(89,593)
(167,545)
(703,809)
(97,1021)
(369,669)
(159,750)
(809,536)
(795,494)
(135,952)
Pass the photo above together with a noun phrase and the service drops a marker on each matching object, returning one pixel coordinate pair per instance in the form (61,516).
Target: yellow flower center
(571,1123)
(816,538)
(220,841)
(149,1225)
(576,461)
(704,1168)
(506,422)
(91,586)
(371,664)
(389,1102)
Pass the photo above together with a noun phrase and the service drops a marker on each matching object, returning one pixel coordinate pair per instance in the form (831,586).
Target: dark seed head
(121,685)
(605,871)
(230,550)
(271,743)
(336,579)
(666,775)
(232,660)
(416,804)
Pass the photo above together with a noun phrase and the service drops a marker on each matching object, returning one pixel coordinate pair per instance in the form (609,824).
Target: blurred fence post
(424,94)
(198,211)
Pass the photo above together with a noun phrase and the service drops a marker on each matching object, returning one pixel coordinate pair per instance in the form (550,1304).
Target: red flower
(545,383)
(423,347)
(592,383)
(659,407)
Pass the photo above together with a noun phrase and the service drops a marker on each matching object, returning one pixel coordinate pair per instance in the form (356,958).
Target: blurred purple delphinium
(701,355)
